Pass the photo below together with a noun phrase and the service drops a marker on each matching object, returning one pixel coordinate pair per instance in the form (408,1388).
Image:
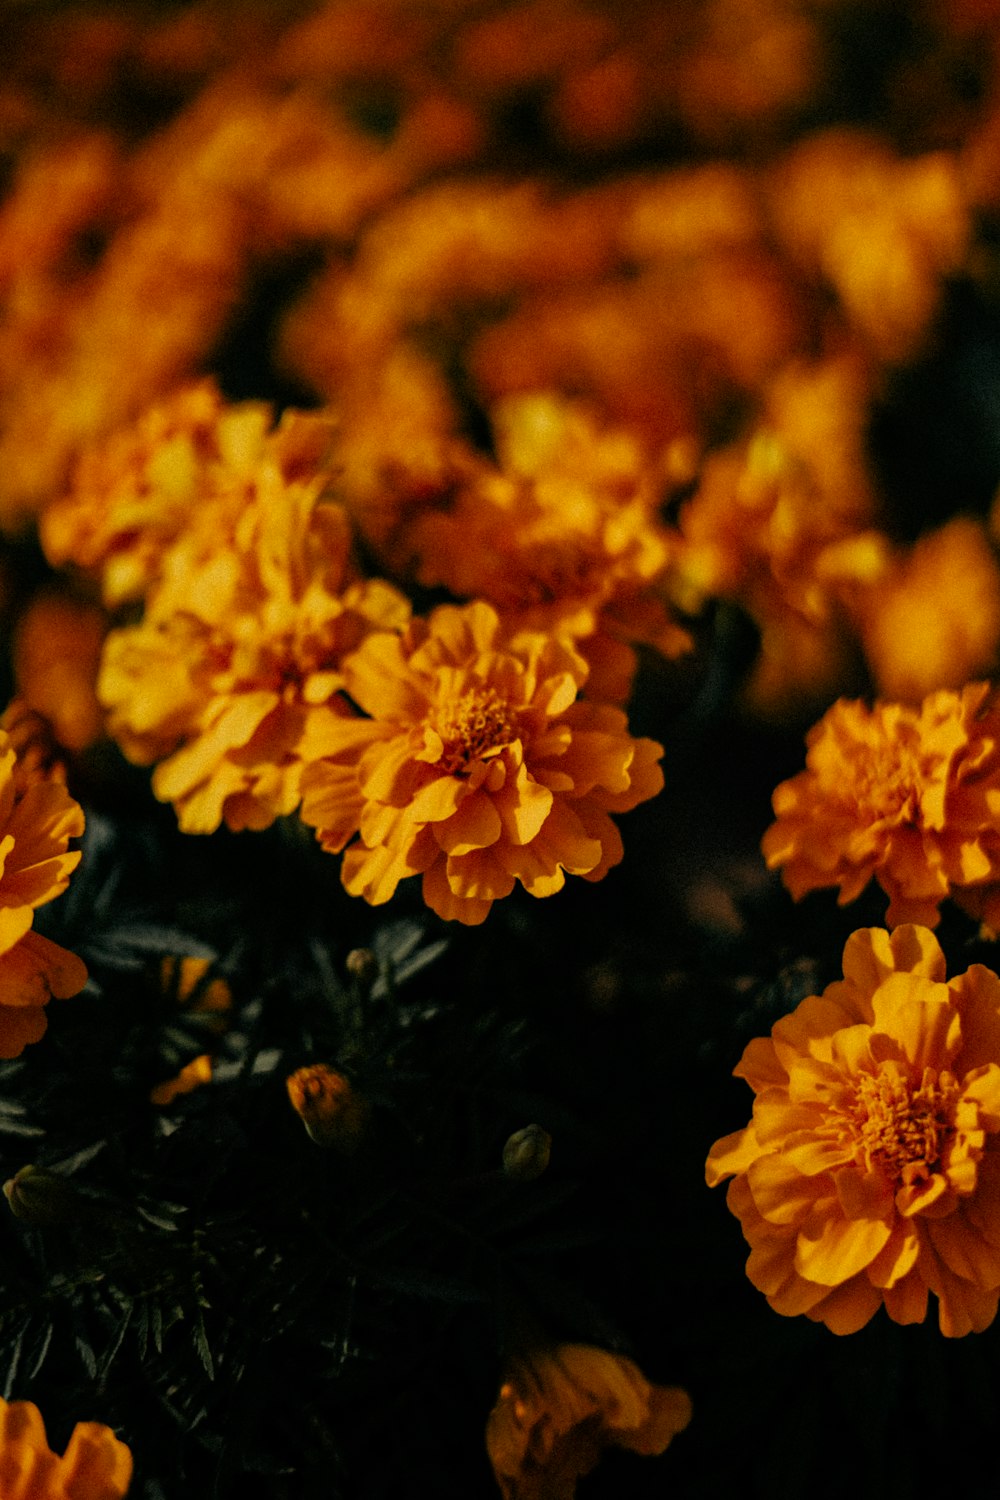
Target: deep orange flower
(906,796)
(95,1466)
(477,767)
(560,1407)
(242,638)
(38,818)
(870,1172)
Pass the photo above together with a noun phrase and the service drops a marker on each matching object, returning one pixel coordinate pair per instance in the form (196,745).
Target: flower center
(472,725)
(900,1129)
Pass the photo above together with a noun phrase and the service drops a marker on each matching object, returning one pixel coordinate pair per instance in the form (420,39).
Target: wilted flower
(95,1466)
(906,796)
(870,1171)
(477,768)
(38,818)
(559,1407)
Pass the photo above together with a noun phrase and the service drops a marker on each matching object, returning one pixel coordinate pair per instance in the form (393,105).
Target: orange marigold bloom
(560,1407)
(932,619)
(564,535)
(95,1466)
(57,648)
(904,795)
(477,768)
(870,1171)
(133,493)
(242,638)
(38,818)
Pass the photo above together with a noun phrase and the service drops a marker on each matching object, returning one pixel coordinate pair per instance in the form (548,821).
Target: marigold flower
(477,768)
(932,620)
(95,1466)
(902,795)
(57,648)
(241,640)
(563,535)
(560,1407)
(190,1077)
(38,818)
(135,492)
(210,999)
(884,230)
(869,1173)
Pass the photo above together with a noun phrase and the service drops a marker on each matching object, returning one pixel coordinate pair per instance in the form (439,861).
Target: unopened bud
(39,1197)
(362,965)
(324,1100)
(526,1153)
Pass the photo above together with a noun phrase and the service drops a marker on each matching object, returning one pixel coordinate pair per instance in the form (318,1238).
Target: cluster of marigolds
(576,397)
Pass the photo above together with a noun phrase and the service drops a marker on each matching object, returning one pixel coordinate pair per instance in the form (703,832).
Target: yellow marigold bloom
(870,1171)
(38,818)
(241,640)
(905,796)
(560,1407)
(95,1466)
(477,767)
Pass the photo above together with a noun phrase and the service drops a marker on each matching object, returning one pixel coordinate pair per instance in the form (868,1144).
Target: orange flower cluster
(244,630)
(905,796)
(95,1466)
(869,1174)
(477,766)
(560,1407)
(38,818)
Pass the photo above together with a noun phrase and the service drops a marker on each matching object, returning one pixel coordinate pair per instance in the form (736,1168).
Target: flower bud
(362,966)
(526,1153)
(333,1114)
(40,1197)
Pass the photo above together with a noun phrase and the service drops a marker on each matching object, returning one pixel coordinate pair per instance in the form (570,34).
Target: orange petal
(475,825)
(830,1249)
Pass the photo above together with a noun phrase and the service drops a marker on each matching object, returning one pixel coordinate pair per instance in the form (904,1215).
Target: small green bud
(526,1153)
